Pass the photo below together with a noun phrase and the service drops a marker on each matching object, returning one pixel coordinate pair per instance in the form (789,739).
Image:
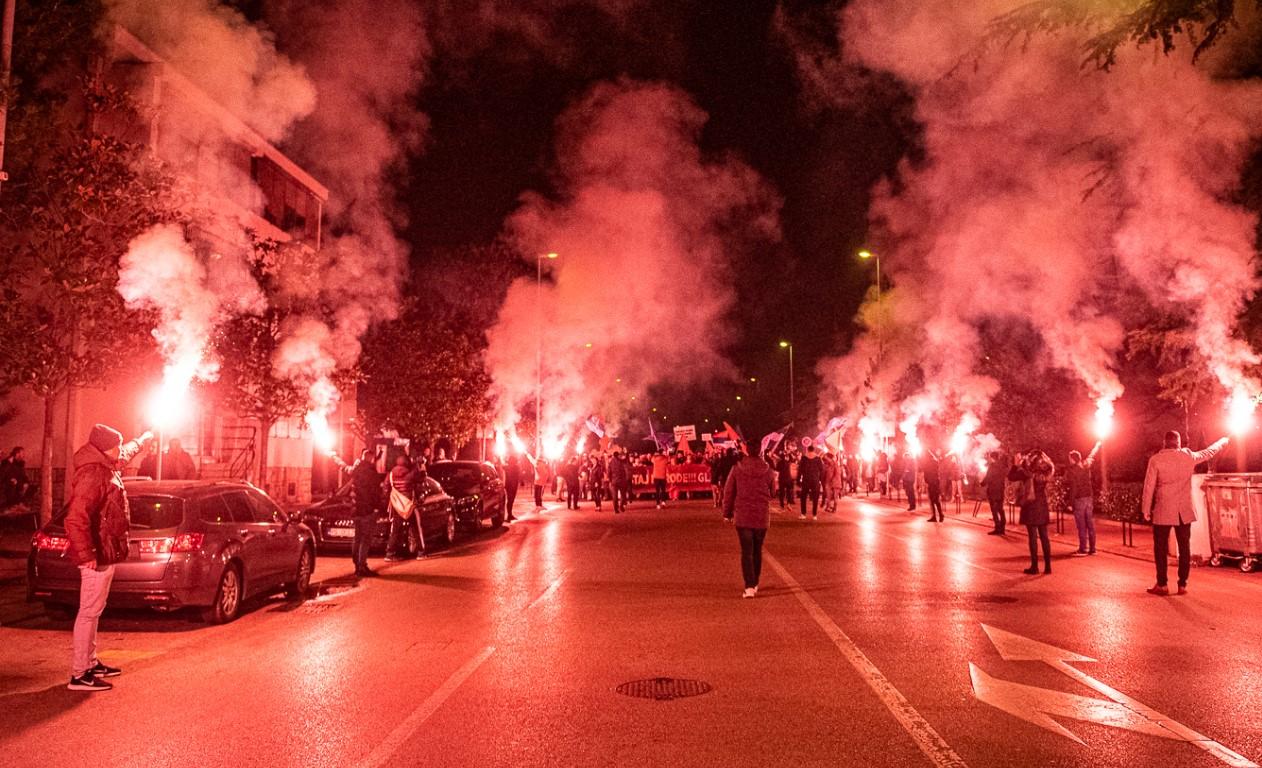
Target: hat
(105,438)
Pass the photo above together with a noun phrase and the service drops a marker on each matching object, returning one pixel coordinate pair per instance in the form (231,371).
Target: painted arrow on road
(1040,705)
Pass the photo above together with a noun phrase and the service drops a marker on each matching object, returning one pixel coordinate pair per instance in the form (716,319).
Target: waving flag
(594,424)
(836,426)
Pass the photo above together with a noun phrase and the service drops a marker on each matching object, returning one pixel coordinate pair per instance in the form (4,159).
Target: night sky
(492,103)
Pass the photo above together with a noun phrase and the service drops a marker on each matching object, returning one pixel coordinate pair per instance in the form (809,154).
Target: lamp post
(789,346)
(539,350)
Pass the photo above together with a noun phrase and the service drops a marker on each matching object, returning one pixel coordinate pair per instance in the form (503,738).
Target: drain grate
(663,688)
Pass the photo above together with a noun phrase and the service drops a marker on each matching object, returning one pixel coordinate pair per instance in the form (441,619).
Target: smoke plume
(1045,190)
(642,226)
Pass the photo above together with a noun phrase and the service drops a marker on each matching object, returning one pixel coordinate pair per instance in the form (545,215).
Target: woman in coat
(747,502)
(1033,470)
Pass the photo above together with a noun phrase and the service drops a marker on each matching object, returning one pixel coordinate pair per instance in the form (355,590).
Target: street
(507,649)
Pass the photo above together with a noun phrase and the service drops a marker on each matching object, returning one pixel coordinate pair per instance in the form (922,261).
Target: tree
(1202,22)
(246,348)
(424,375)
(76,199)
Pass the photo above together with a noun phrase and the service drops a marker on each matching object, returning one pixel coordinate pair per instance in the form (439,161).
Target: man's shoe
(1090,551)
(755,589)
(393,558)
(1159,590)
(1080,553)
(1047,570)
(933,518)
(368,572)
(1182,591)
(748,593)
(994,532)
(803,517)
(88,682)
(1031,571)
(103,670)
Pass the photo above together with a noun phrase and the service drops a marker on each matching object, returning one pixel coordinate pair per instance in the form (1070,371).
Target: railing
(239,450)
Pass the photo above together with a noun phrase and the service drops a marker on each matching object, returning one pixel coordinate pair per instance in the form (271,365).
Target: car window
(213,510)
(265,510)
(459,474)
(240,508)
(432,488)
(154,512)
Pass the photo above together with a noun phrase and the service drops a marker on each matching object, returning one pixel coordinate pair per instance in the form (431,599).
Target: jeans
(621,496)
(538,496)
(909,486)
(365,529)
(572,495)
(1038,533)
(659,490)
(598,493)
(935,500)
(997,513)
(811,491)
(94,588)
(1086,523)
(1161,551)
(751,554)
(511,491)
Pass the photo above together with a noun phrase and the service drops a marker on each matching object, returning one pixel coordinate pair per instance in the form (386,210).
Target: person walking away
(784,480)
(401,485)
(1034,470)
(97,528)
(660,465)
(366,493)
(994,479)
(747,503)
(512,481)
(933,486)
(596,476)
(178,464)
(620,473)
(1167,502)
(883,472)
(909,472)
(1082,498)
(570,472)
(811,472)
(13,481)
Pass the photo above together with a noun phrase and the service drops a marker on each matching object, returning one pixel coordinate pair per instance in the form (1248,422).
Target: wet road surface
(866,645)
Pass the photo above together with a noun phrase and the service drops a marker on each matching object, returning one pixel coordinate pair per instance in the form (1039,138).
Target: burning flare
(1103,418)
(1240,410)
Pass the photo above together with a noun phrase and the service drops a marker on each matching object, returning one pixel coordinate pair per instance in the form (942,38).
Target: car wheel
(227,597)
(297,589)
(497,519)
(449,534)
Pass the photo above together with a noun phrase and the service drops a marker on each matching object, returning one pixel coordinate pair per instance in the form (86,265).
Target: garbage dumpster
(1234,506)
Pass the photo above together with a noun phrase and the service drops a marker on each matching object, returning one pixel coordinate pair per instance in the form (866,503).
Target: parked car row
(214,544)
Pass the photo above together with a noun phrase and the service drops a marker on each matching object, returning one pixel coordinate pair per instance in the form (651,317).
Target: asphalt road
(865,646)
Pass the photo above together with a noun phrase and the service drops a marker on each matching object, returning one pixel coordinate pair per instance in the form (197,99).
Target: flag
(728,433)
(770,442)
(594,424)
(835,425)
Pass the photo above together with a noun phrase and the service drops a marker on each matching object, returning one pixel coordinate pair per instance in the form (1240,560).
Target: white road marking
(927,739)
(552,588)
(1035,704)
(404,730)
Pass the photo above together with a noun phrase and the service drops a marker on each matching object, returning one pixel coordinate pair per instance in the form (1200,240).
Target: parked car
(333,521)
(478,491)
(206,544)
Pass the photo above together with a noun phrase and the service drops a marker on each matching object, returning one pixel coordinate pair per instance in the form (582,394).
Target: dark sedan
(333,521)
(477,488)
(193,543)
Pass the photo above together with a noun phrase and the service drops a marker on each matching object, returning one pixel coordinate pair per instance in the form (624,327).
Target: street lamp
(789,346)
(539,350)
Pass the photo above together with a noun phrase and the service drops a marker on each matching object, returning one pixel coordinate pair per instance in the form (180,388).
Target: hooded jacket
(97,518)
(747,495)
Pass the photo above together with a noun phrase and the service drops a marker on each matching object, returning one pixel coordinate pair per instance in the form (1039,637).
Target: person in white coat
(1167,503)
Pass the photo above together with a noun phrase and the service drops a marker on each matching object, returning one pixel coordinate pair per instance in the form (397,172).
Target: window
(213,510)
(154,512)
(432,488)
(265,510)
(239,507)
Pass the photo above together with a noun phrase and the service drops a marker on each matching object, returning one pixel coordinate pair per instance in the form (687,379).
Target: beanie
(105,438)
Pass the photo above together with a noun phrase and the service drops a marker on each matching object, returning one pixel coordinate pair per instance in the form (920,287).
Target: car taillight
(185,542)
(188,542)
(51,543)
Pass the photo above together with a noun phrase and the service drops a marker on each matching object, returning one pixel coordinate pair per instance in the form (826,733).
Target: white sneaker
(755,590)
(749,592)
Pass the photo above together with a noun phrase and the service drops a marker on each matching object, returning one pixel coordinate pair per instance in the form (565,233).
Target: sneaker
(103,670)
(933,519)
(1090,551)
(1159,590)
(393,558)
(1031,571)
(814,518)
(994,533)
(367,572)
(803,517)
(1080,553)
(88,682)
(748,593)
(755,589)
(1182,591)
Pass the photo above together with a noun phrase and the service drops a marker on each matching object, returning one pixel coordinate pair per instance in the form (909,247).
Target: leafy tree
(76,199)
(1202,22)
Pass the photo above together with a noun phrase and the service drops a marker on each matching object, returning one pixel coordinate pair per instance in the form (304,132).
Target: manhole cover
(663,688)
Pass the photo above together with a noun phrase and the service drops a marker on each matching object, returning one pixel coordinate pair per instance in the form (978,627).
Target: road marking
(404,730)
(927,739)
(551,590)
(1035,705)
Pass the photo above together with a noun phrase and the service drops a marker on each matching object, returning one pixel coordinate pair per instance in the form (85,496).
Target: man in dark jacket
(178,464)
(366,490)
(996,476)
(620,472)
(13,482)
(512,481)
(811,473)
(1082,498)
(97,525)
(747,502)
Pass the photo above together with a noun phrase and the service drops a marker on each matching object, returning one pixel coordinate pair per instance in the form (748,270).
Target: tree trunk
(46,462)
(265,430)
